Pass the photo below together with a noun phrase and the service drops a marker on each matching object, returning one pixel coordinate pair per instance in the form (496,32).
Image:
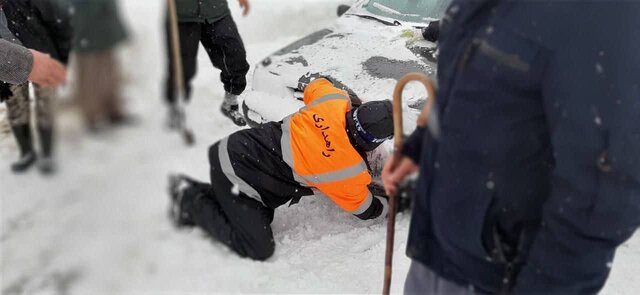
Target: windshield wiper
(388,23)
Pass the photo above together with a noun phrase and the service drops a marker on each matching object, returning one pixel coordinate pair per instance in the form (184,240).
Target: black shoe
(25,162)
(47,165)
(232,112)
(178,185)
(175,118)
(122,120)
(22,133)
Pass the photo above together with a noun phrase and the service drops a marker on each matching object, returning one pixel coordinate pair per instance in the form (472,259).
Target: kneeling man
(319,150)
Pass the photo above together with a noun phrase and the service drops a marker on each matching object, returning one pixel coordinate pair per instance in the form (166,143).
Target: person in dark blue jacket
(533,179)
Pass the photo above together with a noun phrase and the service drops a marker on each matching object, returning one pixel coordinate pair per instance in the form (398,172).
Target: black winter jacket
(534,179)
(43,25)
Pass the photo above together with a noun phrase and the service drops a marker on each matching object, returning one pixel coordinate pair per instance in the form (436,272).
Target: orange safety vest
(316,146)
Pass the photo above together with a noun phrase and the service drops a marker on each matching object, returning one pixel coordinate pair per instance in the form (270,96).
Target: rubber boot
(23,137)
(46,164)
(183,190)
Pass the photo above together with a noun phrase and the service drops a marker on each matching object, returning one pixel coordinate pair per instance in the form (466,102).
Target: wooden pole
(397,156)
(178,75)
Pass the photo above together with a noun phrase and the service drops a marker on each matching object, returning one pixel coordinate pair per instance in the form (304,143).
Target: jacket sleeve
(379,207)
(594,203)
(354,195)
(16,63)
(412,147)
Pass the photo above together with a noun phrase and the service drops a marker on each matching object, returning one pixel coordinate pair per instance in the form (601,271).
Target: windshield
(418,11)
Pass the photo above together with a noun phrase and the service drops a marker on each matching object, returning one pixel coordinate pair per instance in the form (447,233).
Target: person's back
(317,146)
(534,180)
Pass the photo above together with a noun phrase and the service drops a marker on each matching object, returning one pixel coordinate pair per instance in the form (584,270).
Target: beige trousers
(98,91)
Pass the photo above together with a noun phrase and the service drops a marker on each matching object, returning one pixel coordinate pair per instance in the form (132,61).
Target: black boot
(175,117)
(46,164)
(22,134)
(184,192)
(119,119)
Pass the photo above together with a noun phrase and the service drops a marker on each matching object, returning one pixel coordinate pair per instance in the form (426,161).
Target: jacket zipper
(507,279)
(500,256)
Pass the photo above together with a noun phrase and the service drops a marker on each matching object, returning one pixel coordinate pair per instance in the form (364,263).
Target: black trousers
(224,47)
(236,220)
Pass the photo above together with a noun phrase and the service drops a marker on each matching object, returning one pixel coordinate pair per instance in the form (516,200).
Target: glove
(408,33)
(404,199)
(412,35)
(406,193)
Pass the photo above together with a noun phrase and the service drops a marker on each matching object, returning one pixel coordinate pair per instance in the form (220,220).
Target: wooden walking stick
(397,156)
(178,75)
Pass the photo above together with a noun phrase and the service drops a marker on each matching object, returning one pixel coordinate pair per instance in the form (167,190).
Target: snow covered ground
(100,226)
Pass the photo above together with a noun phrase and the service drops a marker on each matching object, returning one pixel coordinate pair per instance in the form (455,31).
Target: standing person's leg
(230,56)
(111,89)
(226,51)
(241,223)
(189,42)
(88,93)
(249,222)
(45,120)
(19,113)
(234,220)
(99,88)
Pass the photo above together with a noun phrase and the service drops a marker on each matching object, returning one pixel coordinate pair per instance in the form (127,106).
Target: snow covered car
(363,52)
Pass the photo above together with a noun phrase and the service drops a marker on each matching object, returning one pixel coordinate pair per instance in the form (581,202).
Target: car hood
(364,55)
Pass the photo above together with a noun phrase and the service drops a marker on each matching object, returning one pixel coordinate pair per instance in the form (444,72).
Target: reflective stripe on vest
(227,168)
(328,97)
(338,175)
(287,154)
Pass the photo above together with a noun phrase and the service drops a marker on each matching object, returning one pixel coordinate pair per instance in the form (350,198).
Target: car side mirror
(342,9)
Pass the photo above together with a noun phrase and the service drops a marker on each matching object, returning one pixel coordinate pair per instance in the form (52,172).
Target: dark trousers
(224,46)
(422,280)
(236,220)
